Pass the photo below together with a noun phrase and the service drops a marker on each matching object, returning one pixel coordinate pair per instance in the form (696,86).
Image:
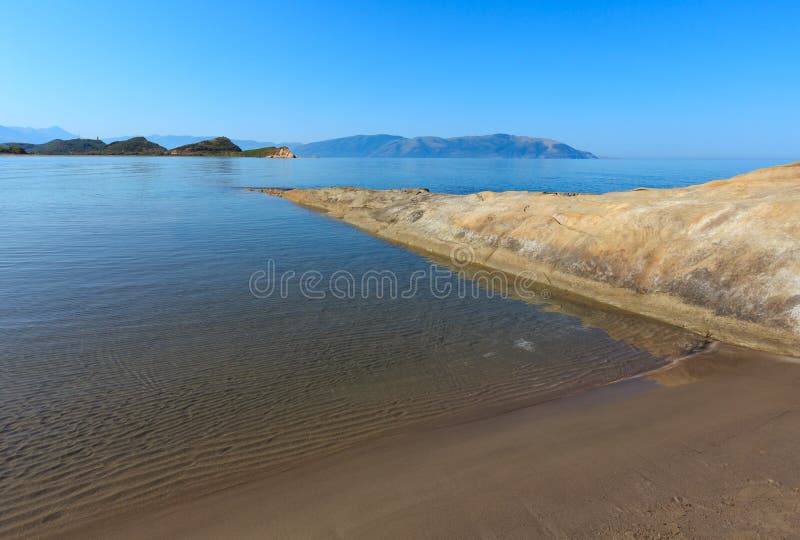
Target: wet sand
(704,448)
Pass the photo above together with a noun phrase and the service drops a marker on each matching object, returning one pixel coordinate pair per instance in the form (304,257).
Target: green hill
(221,146)
(69,147)
(12,148)
(137,146)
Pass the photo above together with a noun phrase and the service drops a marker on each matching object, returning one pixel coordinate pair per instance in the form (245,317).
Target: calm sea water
(135,363)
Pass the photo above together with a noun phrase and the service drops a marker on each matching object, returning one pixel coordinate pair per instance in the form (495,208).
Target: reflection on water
(647,334)
(135,364)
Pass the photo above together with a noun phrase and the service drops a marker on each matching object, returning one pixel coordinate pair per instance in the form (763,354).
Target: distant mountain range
(484,146)
(33,135)
(355,146)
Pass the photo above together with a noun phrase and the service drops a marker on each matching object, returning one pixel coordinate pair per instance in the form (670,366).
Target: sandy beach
(706,447)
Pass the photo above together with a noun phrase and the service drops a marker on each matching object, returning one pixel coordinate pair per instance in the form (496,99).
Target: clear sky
(627,79)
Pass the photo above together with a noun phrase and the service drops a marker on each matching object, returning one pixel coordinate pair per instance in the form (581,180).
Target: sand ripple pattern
(88,431)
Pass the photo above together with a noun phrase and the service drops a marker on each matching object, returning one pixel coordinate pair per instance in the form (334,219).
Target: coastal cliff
(282,152)
(721,259)
(270,152)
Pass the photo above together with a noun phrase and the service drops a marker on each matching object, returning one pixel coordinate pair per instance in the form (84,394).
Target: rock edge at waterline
(721,258)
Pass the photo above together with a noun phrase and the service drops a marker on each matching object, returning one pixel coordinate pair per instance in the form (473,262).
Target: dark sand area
(706,447)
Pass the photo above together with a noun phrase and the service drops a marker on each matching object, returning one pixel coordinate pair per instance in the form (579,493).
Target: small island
(221,146)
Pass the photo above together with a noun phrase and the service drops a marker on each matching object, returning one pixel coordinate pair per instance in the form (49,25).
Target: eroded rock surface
(721,258)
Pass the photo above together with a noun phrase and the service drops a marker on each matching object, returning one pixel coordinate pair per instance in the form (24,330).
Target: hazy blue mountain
(175,141)
(356,146)
(248,144)
(485,146)
(33,135)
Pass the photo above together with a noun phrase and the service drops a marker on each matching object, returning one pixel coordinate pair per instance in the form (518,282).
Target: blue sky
(627,79)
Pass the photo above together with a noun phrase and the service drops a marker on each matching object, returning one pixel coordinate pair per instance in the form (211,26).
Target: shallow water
(135,362)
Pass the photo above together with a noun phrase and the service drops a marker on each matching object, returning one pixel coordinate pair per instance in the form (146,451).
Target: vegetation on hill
(25,146)
(12,148)
(137,146)
(221,146)
(269,152)
(69,147)
(174,141)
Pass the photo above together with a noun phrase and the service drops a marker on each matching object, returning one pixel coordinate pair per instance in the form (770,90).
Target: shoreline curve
(720,259)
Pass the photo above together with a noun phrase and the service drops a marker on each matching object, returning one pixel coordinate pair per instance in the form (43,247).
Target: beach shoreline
(702,447)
